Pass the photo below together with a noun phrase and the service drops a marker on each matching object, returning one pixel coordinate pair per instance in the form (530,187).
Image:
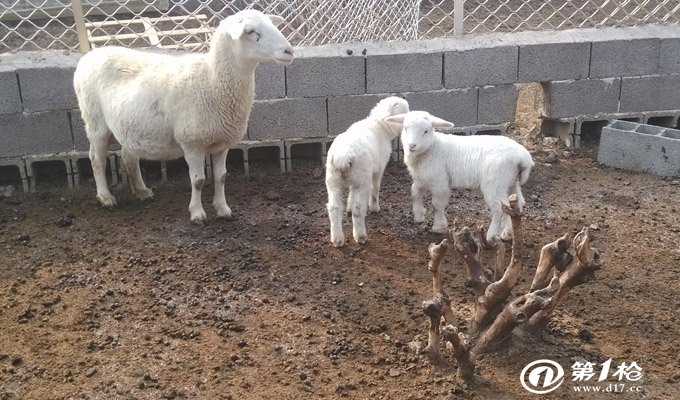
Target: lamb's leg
(196,161)
(418,206)
(220,177)
(350,200)
(131,162)
(335,209)
(440,198)
(98,147)
(359,208)
(374,201)
(497,217)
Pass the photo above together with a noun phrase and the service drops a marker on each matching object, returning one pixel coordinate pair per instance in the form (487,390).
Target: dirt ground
(137,303)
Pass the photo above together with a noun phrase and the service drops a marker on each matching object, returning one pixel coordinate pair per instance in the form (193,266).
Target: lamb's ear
(395,119)
(440,123)
(233,26)
(276,20)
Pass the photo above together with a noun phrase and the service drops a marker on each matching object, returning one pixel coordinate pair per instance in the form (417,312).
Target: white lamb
(357,160)
(160,106)
(437,162)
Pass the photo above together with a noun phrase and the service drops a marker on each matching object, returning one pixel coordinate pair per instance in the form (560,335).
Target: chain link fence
(188,24)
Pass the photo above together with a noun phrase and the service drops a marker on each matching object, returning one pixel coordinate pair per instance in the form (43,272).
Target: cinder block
(584,97)
(497,104)
(650,93)
(669,56)
(10,98)
(410,72)
(44,89)
(624,58)
(270,81)
(640,147)
(326,76)
(80,142)
(343,111)
(35,133)
(480,67)
(458,105)
(288,118)
(553,61)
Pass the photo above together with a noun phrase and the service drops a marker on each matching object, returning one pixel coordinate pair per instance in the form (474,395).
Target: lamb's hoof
(361,239)
(106,200)
(418,219)
(224,212)
(199,218)
(506,237)
(144,194)
(439,229)
(374,209)
(338,242)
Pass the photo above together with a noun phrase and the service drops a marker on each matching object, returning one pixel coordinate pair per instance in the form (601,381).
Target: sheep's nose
(411,146)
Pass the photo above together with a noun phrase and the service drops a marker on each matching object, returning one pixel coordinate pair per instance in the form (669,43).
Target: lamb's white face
(260,39)
(418,129)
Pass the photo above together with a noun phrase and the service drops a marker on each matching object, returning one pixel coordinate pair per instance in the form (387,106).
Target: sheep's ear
(233,26)
(440,123)
(276,20)
(395,119)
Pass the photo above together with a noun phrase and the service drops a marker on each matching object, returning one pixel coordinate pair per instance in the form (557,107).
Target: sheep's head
(418,129)
(257,36)
(387,107)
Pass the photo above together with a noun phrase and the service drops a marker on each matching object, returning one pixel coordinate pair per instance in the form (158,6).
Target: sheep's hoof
(106,200)
(338,242)
(144,194)
(439,229)
(361,239)
(418,219)
(374,208)
(199,219)
(224,213)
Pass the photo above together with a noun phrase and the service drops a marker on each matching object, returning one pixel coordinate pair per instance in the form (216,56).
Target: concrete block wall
(587,75)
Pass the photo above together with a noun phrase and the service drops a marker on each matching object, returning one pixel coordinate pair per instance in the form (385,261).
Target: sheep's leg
(359,208)
(498,217)
(131,162)
(350,200)
(374,200)
(98,147)
(335,209)
(418,206)
(196,161)
(220,177)
(440,198)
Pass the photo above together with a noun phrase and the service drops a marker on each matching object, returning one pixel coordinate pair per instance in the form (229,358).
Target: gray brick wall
(10,97)
(472,81)
(288,118)
(327,76)
(582,97)
(624,58)
(553,61)
(410,72)
(479,67)
(35,133)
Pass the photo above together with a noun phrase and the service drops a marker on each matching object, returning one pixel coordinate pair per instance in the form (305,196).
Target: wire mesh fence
(188,24)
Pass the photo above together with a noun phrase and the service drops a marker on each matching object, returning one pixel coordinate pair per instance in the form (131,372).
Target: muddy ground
(137,303)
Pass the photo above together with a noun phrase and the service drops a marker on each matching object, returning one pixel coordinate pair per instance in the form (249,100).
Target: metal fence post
(458,17)
(79,17)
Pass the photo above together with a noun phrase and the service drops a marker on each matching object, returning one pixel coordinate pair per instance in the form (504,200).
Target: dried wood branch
(465,358)
(553,255)
(582,267)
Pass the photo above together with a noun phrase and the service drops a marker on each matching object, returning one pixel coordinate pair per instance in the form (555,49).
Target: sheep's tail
(525,166)
(341,162)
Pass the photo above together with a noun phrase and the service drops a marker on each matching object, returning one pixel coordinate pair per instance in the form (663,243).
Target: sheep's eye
(253,32)
(425,131)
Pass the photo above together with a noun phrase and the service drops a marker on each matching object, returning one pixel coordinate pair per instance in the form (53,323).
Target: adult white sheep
(161,106)
(437,162)
(357,160)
